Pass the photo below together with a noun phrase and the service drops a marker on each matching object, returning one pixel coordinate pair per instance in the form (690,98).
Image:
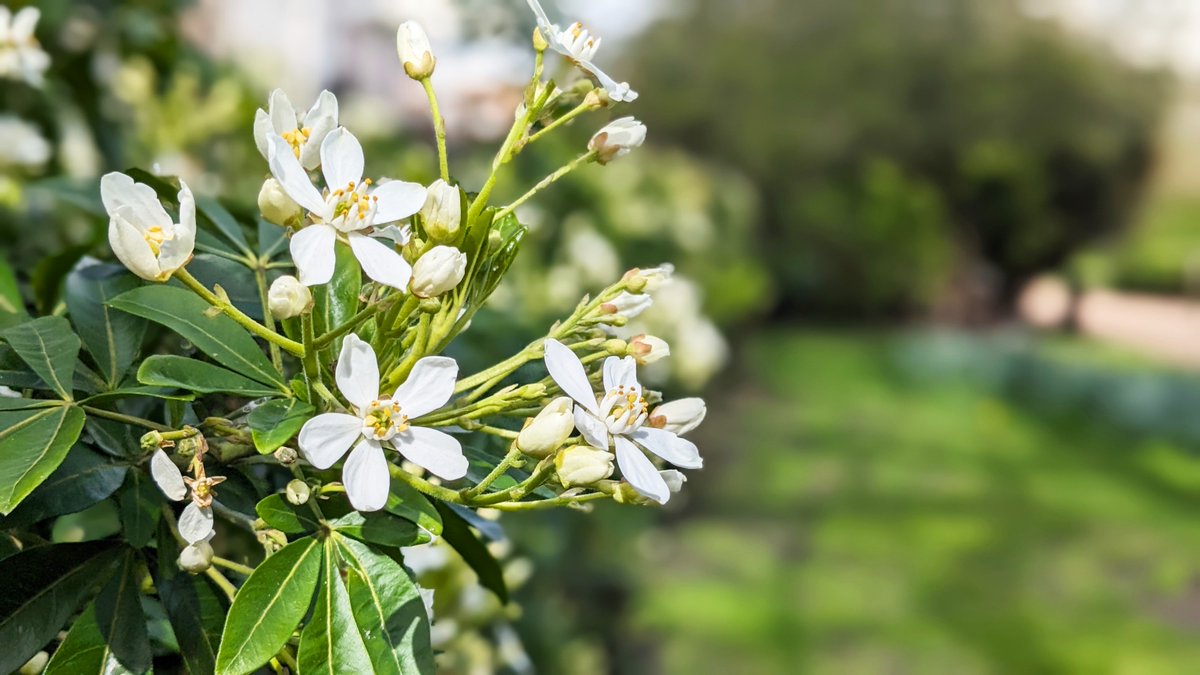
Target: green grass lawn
(850,520)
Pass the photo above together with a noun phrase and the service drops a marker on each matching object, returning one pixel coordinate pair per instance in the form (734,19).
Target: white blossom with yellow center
(142,234)
(579,45)
(350,209)
(21,56)
(620,417)
(303,135)
(377,420)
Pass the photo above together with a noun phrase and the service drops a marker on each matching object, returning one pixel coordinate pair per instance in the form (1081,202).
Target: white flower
(649,280)
(275,205)
(620,416)
(196,521)
(21,143)
(21,57)
(141,233)
(581,465)
(617,139)
(348,209)
(288,297)
(438,271)
(304,135)
(647,349)
(577,44)
(412,44)
(679,416)
(628,304)
(674,479)
(378,419)
(442,212)
(546,432)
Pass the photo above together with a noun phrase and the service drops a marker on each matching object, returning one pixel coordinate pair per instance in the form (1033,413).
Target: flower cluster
(21,56)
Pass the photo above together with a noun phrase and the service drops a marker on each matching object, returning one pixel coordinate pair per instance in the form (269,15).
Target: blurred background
(940,286)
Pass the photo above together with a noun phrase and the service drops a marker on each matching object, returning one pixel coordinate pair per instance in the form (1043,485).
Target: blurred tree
(884,135)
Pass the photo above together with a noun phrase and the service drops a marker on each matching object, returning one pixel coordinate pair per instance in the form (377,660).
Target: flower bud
(412,44)
(627,494)
(275,204)
(648,280)
(286,456)
(539,40)
(195,558)
(438,271)
(583,465)
(288,298)
(617,139)
(646,349)
(442,212)
(151,440)
(191,445)
(36,664)
(546,432)
(616,347)
(627,305)
(297,492)
(679,417)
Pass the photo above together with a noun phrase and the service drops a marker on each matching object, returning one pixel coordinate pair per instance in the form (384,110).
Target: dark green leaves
(140,505)
(119,615)
(458,534)
(331,643)
(275,422)
(49,347)
(12,307)
(32,445)
(337,301)
(198,376)
(84,478)
(269,607)
(194,609)
(42,587)
(283,516)
(388,611)
(84,651)
(218,336)
(380,528)
(406,502)
(111,337)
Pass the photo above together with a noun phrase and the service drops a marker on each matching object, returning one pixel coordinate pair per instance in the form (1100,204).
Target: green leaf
(49,347)
(406,502)
(271,239)
(198,376)
(269,607)
(46,280)
(458,534)
(235,278)
(112,338)
(274,423)
(331,643)
(141,505)
(196,612)
(84,478)
(218,336)
(32,445)
(380,528)
(12,306)
(119,615)
(43,586)
(210,210)
(283,516)
(84,651)
(335,302)
(388,609)
(140,391)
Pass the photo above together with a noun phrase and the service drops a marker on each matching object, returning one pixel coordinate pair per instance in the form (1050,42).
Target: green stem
(260,277)
(127,419)
(513,455)
(312,500)
(547,503)
(232,566)
(425,487)
(326,339)
(439,128)
(572,114)
(517,492)
(285,655)
(546,182)
(312,368)
(290,346)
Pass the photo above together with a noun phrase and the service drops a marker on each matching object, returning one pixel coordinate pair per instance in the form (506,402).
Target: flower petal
(366,476)
(23,24)
(341,159)
(292,177)
(195,523)
(381,262)
(398,199)
(262,129)
(433,450)
(140,201)
(283,115)
(540,13)
(326,437)
(321,119)
(617,91)
(178,250)
(313,254)
(593,430)
(640,471)
(358,372)
(429,385)
(567,372)
(678,451)
(167,476)
(131,248)
(620,372)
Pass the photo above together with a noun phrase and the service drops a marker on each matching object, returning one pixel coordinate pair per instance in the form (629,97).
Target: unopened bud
(430,305)
(646,349)
(546,432)
(627,494)
(412,44)
(195,558)
(533,392)
(35,665)
(596,98)
(286,456)
(191,445)
(297,492)
(616,347)
(628,305)
(617,139)
(288,298)
(151,440)
(275,204)
(648,280)
(539,40)
(438,271)
(582,465)
(679,417)
(442,212)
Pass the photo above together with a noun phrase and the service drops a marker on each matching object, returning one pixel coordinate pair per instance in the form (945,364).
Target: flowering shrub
(287,383)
